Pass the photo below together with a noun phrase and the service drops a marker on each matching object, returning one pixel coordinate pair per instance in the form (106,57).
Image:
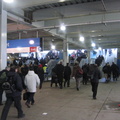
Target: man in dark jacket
(60,72)
(95,80)
(115,71)
(13,96)
(1,80)
(107,72)
(67,73)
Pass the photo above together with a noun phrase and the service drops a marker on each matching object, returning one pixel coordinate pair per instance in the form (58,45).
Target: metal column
(3,37)
(65,51)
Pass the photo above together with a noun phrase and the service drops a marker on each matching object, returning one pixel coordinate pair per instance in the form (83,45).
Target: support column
(89,60)
(65,51)
(3,37)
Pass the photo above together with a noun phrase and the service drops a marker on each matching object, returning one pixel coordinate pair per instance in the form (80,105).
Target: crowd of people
(109,71)
(27,78)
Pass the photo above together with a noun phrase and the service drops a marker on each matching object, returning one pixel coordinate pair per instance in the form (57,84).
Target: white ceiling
(97,20)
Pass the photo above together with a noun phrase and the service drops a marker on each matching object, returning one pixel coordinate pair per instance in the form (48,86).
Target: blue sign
(29,42)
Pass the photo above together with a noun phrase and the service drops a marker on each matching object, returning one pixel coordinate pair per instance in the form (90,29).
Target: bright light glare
(93,45)
(53,47)
(81,38)
(8,1)
(82,51)
(31,42)
(61,0)
(100,48)
(44,113)
(62,27)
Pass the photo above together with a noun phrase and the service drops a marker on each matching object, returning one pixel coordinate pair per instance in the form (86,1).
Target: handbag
(25,96)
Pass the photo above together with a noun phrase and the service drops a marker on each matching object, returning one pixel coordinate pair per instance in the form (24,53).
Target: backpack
(2,76)
(9,84)
(79,73)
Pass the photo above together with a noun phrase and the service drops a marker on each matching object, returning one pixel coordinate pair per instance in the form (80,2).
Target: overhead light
(53,47)
(81,38)
(93,31)
(93,45)
(62,27)
(99,39)
(31,42)
(8,1)
(61,0)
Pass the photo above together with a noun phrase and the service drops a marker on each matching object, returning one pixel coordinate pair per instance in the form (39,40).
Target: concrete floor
(70,104)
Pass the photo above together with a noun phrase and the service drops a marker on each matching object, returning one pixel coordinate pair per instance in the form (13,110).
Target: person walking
(31,81)
(13,96)
(85,71)
(60,73)
(67,73)
(107,72)
(78,74)
(40,73)
(3,75)
(115,71)
(95,80)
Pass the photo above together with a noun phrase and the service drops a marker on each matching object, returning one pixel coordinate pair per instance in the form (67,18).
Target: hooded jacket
(31,81)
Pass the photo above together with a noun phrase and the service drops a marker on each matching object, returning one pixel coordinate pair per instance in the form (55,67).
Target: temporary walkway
(70,104)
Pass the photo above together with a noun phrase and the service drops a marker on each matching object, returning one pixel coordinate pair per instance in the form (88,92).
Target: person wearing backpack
(78,74)
(13,94)
(3,75)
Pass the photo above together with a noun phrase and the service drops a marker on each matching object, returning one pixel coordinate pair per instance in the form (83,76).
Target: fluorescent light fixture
(61,0)
(53,47)
(93,31)
(81,38)
(62,27)
(8,1)
(93,45)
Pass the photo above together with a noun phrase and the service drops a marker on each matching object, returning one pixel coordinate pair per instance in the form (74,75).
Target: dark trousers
(30,97)
(114,77)
(60,81)
(1,92)
(9,101)
(85,79)
(67,81)
(94,88)
(54,80)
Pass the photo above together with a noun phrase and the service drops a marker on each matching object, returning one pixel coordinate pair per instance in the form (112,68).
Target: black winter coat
(67,72)
(18,84)
(96,75)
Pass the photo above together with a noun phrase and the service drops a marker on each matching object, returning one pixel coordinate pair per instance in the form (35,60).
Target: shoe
(77,89)
(94,98)
(32,103)
(21,116)
(27,104)
(1,104)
